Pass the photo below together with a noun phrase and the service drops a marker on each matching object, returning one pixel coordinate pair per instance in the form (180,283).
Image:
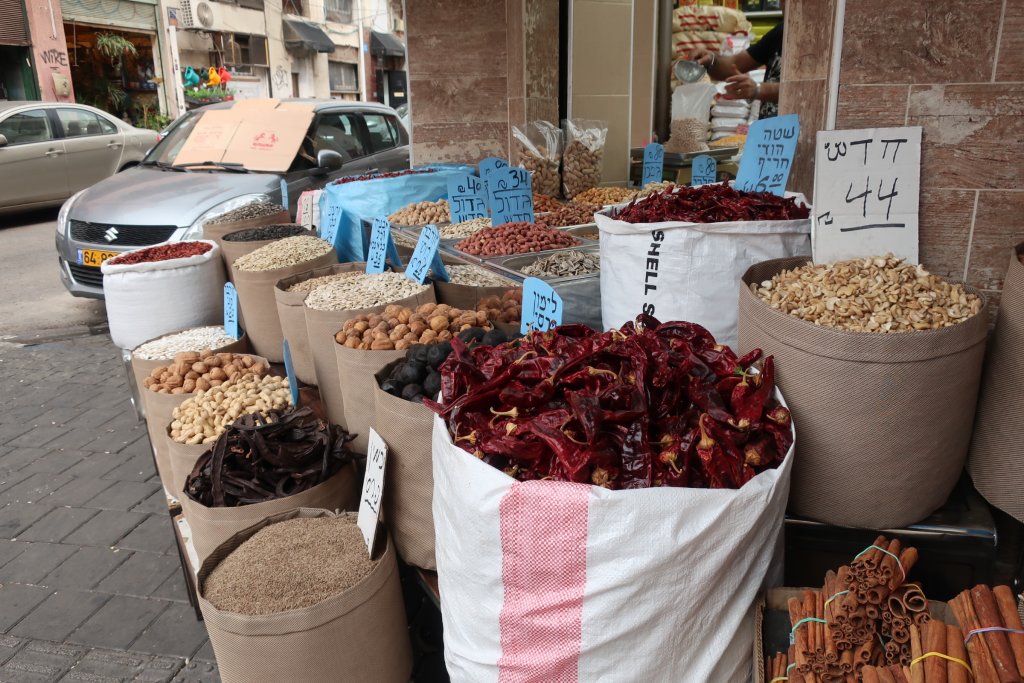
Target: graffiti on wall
(54,57)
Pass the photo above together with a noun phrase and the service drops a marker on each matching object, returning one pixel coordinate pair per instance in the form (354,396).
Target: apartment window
(343,77)
(339,11)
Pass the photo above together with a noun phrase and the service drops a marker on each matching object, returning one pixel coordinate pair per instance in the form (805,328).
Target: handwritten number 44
(863,196)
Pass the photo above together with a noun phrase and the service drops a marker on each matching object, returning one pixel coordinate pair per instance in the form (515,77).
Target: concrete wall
(49,49)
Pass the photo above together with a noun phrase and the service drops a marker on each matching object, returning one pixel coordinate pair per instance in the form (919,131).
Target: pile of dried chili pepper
(265,457)
(650,404)
(715,203)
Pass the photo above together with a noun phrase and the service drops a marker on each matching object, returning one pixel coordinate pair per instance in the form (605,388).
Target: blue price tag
(330,221)
(425,257)
(542,307)
(704,170)
(768,155)
(510,191)
(467,198)
(490,165)
(654,164)
(293,384)
(382,247)
(231,311)
(284,193)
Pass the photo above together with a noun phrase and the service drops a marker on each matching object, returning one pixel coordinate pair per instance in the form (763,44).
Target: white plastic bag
(554,581)
(147,300)
(688,271)
(691,111)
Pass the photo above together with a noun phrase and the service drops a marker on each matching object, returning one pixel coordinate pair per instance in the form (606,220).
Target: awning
(301,35)
(387,44)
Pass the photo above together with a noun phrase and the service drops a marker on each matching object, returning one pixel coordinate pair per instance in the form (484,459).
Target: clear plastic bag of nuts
(583,154)
(540,152)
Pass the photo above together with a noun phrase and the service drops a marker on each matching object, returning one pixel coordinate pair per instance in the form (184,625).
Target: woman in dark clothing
(766,52)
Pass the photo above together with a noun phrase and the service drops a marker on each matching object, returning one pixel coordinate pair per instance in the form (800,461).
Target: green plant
(114,48)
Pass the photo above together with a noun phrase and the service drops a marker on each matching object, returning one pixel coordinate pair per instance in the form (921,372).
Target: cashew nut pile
(208,414)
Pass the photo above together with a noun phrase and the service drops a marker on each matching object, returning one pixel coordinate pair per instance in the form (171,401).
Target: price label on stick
(490,165)
(426,258)
(704,170)
(510,191)
(467,198)
(382,247)
(768,155)
(331,215)
(231,311)
(542,307)
(293,382)
(654,164)
(284,193)
(373,489)
(304,210)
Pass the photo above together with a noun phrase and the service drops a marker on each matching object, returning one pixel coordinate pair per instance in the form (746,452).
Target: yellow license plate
(94,257)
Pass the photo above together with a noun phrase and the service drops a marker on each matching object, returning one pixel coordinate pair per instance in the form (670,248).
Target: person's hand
(702,56)
(741,87)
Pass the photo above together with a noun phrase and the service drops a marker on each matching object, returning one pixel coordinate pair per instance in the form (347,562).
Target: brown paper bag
(406,428)
(883,421)
(183,458)
(356,370)
(358,635)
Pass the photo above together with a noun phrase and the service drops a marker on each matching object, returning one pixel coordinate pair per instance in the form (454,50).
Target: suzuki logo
(110,235)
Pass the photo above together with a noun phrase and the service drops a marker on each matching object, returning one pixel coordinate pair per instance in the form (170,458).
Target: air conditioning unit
(199,15)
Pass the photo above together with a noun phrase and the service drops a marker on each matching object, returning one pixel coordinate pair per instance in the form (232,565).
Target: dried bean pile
(289,565)
(283,253)
(398,327)
(650,404)
(265,457)
(196,339)
(379,176)
(565,264)
(715,203)
(266,232)
(515,238)
(605,195)
(206,415)
(192,371)
(363,290)
(247,212)
(475,277)
(421,213)
(570,214)
(457,231)
(164,252)
(542,202)
(314,282)
(877,294)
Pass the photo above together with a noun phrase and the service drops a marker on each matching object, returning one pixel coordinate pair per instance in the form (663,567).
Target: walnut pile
(876,294)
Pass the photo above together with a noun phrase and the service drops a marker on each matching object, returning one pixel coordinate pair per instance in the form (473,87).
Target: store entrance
(16,81)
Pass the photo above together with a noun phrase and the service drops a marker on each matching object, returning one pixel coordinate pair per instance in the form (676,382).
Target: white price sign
(373,489)
(867,185)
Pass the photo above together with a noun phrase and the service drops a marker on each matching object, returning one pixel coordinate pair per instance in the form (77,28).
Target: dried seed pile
(565,264)
(475,277)
(244,213)
(875,294)
(314,282)
(265,232)
(457,231)
(283,253)
(290,565)
(605,195)
(572,213)
(687,135)
(196,339)
(206,415)
(362,290)
(421,213)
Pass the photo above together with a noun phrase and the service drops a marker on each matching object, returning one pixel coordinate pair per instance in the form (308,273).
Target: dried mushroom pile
(877,294)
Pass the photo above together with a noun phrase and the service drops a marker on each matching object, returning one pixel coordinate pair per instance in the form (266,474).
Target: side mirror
(3,140)
(328,161)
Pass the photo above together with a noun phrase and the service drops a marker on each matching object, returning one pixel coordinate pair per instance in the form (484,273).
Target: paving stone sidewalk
(91,588)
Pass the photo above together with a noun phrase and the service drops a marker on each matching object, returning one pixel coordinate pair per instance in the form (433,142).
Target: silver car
(158,201)
(51,150)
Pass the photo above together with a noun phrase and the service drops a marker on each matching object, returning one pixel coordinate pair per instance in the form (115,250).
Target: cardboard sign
(267,140)
(307,207)
(490,165)
(210,137)
(231,311)
(704,170)
(425,257)
(467,198)
(768,155)
(654,164)
(542,306)
(867,186)
(373,489)
(257,104)
(293,382)
(382,247)
(331,221)
(510,192)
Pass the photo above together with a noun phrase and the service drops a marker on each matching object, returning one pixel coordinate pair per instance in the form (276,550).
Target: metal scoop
(688,71)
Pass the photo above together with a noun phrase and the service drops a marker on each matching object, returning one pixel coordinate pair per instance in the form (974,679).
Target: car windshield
(167,149)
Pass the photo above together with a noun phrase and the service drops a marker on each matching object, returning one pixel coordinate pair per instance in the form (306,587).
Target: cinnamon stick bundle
(977,648)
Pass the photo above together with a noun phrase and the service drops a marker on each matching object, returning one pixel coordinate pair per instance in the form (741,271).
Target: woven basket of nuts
(880,363)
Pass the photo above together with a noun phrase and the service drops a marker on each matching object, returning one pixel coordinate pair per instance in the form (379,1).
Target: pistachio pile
(283,253)
(362,290)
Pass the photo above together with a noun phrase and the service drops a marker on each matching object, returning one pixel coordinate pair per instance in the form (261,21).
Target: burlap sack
(465,297)
(159,409)
(258,308)
(356,370)
(183,458)
(884,419)
(406,428)
(216,231)
(359,635)
(322,326)
(229,250)
(996,450)
(292,315)
(212,526)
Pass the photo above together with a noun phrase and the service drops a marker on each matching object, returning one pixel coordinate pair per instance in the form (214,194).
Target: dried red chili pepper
(713,203)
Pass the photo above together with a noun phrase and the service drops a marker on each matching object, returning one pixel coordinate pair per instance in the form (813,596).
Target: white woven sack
(688,271)
(553,581)
(147,300)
